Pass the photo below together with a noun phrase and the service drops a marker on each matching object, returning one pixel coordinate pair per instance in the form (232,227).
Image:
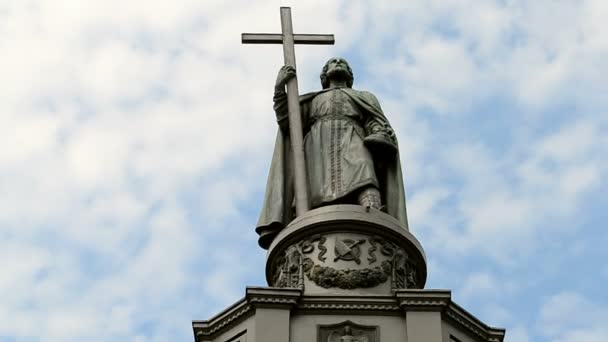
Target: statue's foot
(370,198)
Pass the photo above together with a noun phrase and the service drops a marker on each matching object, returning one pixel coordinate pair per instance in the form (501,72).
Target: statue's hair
(325,81)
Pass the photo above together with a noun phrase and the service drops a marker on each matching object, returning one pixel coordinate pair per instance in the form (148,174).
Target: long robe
(335,121)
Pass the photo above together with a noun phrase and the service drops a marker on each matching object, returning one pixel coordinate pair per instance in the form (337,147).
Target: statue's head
(337,67)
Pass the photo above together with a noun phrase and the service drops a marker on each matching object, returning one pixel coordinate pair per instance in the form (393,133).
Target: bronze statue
(350,148)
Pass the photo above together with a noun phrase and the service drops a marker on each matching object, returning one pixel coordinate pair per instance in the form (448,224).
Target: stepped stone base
(287,315)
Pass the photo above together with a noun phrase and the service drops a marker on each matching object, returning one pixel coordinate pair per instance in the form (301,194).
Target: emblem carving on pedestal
(347,332)
(386,248)
(391,262)
(307,246)
(289,272)
(347,249)
(404,276)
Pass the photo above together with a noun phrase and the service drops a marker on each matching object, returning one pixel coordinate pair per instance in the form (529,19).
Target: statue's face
(337,66)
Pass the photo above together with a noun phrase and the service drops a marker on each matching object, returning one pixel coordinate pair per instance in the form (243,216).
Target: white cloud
(570,316)
(503,200)
(518,334)
(486,48)
(478,284)
(421,205)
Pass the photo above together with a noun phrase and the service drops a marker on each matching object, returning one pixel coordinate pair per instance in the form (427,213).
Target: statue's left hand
(381,141)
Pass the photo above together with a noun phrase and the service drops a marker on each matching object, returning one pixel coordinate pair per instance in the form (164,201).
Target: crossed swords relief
(348,250)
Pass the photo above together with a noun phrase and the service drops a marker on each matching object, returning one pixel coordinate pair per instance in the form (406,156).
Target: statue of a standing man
(351,152)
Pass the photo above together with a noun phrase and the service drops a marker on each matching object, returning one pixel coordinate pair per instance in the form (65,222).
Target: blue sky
(136,138)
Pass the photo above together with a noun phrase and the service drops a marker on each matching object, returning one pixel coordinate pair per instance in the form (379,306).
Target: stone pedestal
(345,274)
(346,249)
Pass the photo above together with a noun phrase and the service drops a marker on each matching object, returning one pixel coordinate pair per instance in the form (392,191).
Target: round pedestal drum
(346,248)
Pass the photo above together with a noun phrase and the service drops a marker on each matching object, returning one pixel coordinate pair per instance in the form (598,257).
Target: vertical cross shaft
(288,39)
(295,118)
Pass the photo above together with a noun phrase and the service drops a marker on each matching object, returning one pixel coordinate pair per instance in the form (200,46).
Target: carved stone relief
(347,249)
(385,260)
(307,246)
(289,272)
(347,332)
(329,277)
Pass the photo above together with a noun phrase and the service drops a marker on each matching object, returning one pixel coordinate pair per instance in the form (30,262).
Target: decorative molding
(349,303)
(279,301)
(349,307)
(421,303)
(272,296)
(413,300)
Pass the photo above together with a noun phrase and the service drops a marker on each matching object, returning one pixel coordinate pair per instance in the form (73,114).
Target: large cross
(288,39)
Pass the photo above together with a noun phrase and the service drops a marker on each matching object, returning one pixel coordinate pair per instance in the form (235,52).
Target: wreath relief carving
(299,261)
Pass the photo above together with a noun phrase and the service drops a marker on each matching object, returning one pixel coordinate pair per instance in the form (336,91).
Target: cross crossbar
(277,38)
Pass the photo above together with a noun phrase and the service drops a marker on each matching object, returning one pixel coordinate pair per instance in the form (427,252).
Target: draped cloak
(337,161)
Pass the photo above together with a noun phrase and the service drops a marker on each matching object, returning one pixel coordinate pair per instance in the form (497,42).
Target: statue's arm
(377,127)
(374,120)
(280,96)
(280,108)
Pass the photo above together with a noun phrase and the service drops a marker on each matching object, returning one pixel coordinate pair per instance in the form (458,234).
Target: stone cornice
(441,301)
(256,297)
(349,303)
(273,297)
(203,330)
(423,300)
(466,320)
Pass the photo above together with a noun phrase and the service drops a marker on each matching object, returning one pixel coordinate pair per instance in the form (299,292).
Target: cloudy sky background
(136,138)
